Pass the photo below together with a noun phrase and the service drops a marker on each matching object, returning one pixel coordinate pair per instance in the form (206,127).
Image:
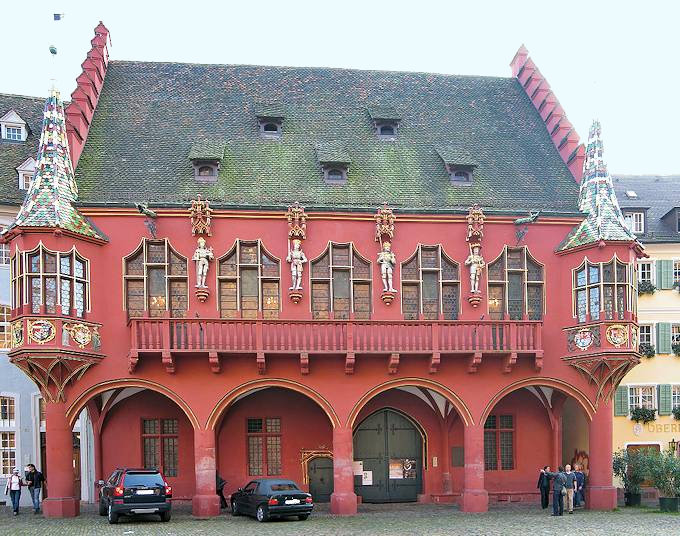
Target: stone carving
(297,232)
(17,333)
(475,261)
(296,257)
(384,233)
(41,331)
(201,214)
(202,256)
(80,333)
(617,335)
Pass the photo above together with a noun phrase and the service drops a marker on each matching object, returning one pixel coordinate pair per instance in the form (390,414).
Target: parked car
(265,498)
(135,491)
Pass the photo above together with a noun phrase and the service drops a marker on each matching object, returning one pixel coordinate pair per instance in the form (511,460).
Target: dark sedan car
(135,491)
(265,498)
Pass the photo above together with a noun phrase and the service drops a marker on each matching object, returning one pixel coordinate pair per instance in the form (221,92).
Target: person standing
(571,487)
(544,487)
(559,489)
(13,489)
(580,483)
(35,481)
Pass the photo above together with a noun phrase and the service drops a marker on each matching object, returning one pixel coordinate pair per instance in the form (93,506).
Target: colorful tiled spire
(49,200)
(597,199)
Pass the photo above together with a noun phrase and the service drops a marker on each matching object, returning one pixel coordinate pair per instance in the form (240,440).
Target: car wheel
(261,513)
(113,516)
(234,509)
(165,516)
(102,507)
(303,517)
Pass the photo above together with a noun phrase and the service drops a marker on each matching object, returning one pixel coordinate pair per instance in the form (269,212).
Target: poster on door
(401,468)
(367,478)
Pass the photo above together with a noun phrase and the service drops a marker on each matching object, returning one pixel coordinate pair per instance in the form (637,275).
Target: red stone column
(601,492)
(343,498)
(206,502)
(475,497)
(59,452)
(446,458)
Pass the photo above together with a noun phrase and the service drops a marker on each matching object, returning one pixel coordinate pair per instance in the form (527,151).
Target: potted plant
(647,349)
(629,467)
(643,414)
(663,469)
(646,287)
(676,413)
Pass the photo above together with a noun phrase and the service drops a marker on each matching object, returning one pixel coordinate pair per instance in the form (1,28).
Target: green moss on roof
(386,113)
(456,156)
(150,114)
(207,150)
(332,152)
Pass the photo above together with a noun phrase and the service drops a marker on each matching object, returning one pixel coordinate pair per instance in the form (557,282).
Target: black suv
(135,491)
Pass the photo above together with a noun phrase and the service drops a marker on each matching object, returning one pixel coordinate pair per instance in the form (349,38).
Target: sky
(617,61)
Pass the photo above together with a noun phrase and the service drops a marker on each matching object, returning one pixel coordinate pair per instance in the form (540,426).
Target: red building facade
(450,388)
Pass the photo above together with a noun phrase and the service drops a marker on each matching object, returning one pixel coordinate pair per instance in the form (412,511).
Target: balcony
(172,337)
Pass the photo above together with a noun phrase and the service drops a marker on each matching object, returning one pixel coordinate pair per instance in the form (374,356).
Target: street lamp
(673,445)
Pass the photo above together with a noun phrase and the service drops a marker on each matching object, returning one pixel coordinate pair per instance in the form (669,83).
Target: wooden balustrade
(333,336)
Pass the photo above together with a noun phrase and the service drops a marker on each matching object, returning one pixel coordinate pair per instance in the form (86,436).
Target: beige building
(651,206)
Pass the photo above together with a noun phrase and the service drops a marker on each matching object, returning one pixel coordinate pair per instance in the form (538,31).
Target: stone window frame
(460,175)
(199,165)
(262,278)
(264,121)
(335,169)
(387,123)
(441,255)
(143,249)
(353,279)
(20,278)
(527,257)
(266,432)
(169,470)
(588,286)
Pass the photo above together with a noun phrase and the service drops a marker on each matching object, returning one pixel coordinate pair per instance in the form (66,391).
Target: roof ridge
(39,99)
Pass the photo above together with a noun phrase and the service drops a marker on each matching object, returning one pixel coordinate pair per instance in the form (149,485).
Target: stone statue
(476,263)
(296,258)
(387,260)
(202,256)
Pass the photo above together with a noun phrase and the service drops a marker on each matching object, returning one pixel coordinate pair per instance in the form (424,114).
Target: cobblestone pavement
(403,519)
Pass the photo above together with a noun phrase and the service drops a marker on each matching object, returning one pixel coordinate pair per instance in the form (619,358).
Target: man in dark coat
(34,480)
(544,487)
(559,485)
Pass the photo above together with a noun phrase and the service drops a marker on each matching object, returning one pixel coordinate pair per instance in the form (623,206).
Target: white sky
(614,60)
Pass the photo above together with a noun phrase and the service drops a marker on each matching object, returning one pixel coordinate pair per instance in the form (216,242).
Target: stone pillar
(205,502)
(601,492)
(59,453)
(343,498)
(475,497)
(446,458)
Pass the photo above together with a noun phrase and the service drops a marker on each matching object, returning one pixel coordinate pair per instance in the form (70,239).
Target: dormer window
(206,171)
(385,120)
(13,127)
(334,162)
(271,127)
(25,173)
(206,157)
(335,175)
(270,117)
(461,176)
(459,165)
(635,221)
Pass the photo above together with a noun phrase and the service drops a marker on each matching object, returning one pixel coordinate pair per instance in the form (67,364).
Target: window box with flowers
(646,287)
(643,414)
(647,350)
(676,413)
(676,348)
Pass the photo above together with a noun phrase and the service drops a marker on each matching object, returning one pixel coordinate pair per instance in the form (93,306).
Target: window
(335,175)
(677,220)
(675,334)
(386,129)
(206,171)
(642,397)
(47,279)
(430,285)
(264,446)
(676,271)
(25,181)
(646,334)
(675,401)
(248,281)
(13,133)
(515,286)
(635,222)
(4,250)
(461,176)
(5,331)
(7,412)
(604,291)
(271,129)
(160,443)
(341,283)
(156,280)
(645,271)
(499,443)
(631,194)
(8,452)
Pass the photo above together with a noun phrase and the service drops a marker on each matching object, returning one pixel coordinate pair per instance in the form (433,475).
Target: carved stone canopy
(200,213)
(475,220)
(384,224)
(297,222)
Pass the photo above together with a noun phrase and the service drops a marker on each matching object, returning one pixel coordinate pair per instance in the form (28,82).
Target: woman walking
(13,488)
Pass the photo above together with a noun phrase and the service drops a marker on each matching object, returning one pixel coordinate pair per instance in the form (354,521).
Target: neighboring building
(457,385)
(651,206)
(22,431)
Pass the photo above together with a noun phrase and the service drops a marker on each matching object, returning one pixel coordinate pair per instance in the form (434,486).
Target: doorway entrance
(320,471)
(388,447)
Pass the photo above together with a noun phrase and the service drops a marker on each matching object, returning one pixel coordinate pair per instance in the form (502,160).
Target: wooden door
(320,471)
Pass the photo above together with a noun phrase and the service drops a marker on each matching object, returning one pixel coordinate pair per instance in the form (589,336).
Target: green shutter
(664,274)
(663,338)
(621,401)
(665,399)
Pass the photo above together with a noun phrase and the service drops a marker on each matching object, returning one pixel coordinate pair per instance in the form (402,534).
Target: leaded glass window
(516,286)
(248,281)
(430,285)
(160,443)
(264,446)
(155,279)
(499,443)
(341,283)
(50,281)
(604,291)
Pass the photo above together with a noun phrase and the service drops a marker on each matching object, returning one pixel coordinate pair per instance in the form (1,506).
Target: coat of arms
(17,333)
(81,334)
(583,339)
(41,331)
(617,335)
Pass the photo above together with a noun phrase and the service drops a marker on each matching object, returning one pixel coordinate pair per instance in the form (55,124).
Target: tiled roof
(657,195)
(150,114)
(207,150)
(15,153)
(455,156)
(604,220)
(49,200)
(332,153)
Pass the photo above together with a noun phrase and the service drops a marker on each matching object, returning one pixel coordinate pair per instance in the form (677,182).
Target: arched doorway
(389,447)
